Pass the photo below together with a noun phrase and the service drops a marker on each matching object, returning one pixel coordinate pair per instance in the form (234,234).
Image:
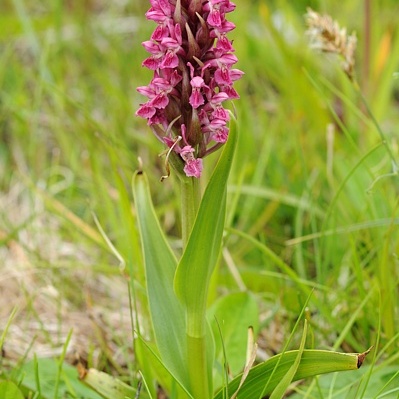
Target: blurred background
(311,179)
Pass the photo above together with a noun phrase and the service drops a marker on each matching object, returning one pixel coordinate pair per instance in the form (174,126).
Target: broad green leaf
(313,362)
(196,266)
(233,314)
(154,372)
(8,390)
(148,368)
(282,386)
(47,374)
(203,248)
(167,313)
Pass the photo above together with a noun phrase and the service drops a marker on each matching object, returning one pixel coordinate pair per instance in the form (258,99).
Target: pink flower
(196,98)
(193,168)
(160,10)
(217,10)
(146,111)
(218,130)
(171,48)
(197,83)
(224,44)
(192,60)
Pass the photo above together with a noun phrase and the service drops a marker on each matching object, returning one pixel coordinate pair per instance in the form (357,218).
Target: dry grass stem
(40,271)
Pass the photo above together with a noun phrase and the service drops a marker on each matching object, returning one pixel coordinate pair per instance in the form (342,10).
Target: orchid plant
(192,60)
(193,64)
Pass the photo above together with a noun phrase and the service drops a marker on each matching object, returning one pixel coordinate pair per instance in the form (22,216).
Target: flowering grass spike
(192,60)
(327,36)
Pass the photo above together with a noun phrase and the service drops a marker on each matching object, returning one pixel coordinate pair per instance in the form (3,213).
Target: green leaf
(167,313)
(195,269)
(8,390)
(46,371)
(203,248)
(313,362)
(233,314)
(154,372)
(282,386)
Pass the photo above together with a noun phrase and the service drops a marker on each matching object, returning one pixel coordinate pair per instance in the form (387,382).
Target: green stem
(198,370)
(190,201)
(196,345)
(190,196)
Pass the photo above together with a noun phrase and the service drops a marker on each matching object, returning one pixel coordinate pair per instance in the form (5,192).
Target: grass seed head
(327,36)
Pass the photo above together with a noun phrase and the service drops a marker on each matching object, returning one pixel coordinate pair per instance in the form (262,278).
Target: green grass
(314,210)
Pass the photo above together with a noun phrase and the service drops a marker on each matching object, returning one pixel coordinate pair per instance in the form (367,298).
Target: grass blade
(282,386)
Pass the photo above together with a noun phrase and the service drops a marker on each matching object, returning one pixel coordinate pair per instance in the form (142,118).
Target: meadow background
(312,182)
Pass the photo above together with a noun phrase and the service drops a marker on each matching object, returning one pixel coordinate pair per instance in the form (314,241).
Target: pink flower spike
(192,61)
(193,168)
